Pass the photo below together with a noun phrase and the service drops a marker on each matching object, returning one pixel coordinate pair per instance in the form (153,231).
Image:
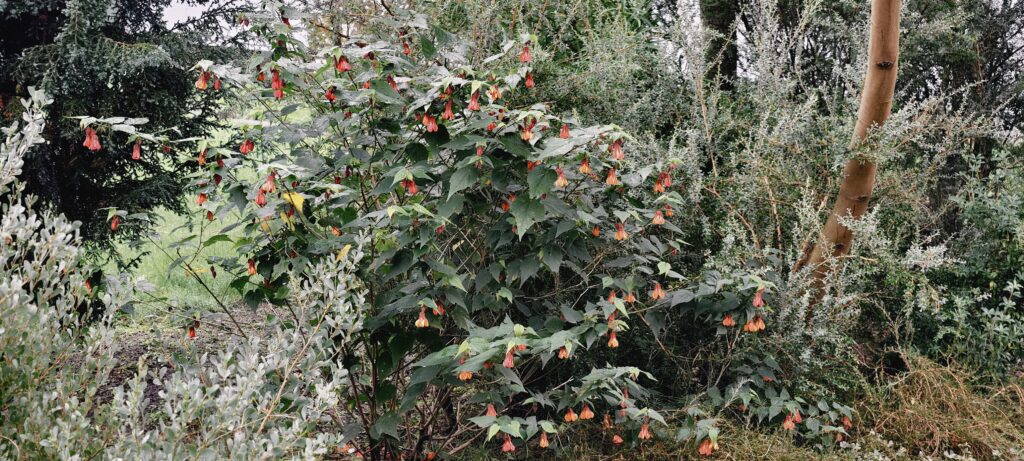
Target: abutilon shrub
(479,261)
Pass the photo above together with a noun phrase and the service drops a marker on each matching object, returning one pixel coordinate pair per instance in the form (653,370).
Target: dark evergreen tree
(108,58)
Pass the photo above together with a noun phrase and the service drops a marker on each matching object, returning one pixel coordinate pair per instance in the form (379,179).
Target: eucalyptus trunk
(859,174)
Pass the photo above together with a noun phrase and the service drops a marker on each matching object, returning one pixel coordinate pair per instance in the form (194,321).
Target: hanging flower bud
(474,101)
(479,151)
(92,140)
(563,353)
(508,446)
(494,93)
(114,223)
(252,267)
(728,321)
(617,440)
(422,322)
(645,432)
(448,113)
(209,215)
(192,332)
(543,439)
(465,375)
(613,341)
(561,182)
(758,301)
(530,165)
(492,126)
(201,159)
(847,424)
(611,180)
(587,413)
(611,300)
(658,293)
(261,77)
(342,65)
(490,410)
(330,96)
(525,56)
(668,211)
(570,416)
(201,199)
(630,298)
(201,83)
(216,177)
(529,81)
(216,82)
(797,418)
(659,186)
(391,81)
(137,150)
(659,218)
(620,232)
(509,361)
(366,85)
(406,50)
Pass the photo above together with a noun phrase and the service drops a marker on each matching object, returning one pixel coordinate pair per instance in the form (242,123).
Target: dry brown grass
(932,409)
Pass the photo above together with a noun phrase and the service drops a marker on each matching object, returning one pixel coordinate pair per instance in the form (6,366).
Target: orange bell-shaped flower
(570,416)
(585,166)
(586,413)
(613,342)
(342,65)
(658,293)
(508,446)
(620,232)
(645,432)
(525,55)
(509,361)
(561,182)
(616,150)
(92,140)
(612,180)
(422,321)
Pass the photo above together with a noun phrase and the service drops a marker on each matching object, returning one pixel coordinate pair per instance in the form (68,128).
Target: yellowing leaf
(288,220)
(294,199)
(344,252)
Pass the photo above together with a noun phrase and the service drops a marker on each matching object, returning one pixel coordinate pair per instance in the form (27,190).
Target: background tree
(103,58)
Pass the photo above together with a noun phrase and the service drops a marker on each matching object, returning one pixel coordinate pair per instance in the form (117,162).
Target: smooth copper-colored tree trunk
(876,104)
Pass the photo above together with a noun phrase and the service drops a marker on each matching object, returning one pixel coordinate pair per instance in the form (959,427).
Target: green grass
(177,295)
